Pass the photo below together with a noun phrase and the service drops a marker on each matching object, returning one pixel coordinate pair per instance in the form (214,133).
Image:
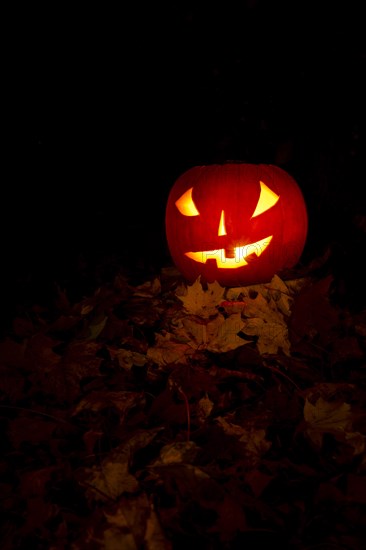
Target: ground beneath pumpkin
(124,428)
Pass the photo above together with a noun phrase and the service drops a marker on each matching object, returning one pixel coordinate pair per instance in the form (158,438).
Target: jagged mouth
(231,258)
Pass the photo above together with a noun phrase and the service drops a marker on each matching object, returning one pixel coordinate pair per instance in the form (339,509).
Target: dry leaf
(203,303)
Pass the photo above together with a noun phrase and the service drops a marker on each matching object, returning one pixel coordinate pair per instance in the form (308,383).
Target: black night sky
(108,107)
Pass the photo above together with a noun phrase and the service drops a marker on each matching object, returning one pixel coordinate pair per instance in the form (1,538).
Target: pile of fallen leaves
(161,415)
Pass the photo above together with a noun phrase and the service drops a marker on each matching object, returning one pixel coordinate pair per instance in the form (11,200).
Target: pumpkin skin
(235,223)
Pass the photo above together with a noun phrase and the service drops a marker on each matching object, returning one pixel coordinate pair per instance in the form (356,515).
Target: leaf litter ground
(152,414)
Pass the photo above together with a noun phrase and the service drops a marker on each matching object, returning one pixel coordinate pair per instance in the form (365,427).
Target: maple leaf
(177,452)
(112,477)
(218,334)
(333,417)
(167,351)
(225,336)
(130,524)
(265,314)
(202,302)
(254,439)
(122,401)
(325,416)
(204,408)
(127,358)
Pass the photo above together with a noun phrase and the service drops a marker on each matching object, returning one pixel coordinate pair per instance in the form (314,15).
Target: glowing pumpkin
(235,223)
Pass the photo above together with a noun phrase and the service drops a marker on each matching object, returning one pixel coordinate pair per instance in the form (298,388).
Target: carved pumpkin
(235,223)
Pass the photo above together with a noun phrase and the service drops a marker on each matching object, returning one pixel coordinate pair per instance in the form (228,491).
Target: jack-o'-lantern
(235,223)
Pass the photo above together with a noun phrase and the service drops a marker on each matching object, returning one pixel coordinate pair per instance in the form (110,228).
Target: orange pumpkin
(235,223)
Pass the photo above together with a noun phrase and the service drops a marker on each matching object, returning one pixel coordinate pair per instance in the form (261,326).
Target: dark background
(107,106)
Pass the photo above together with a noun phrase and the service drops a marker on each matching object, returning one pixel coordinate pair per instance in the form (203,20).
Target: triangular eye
(267,199)
(186,205)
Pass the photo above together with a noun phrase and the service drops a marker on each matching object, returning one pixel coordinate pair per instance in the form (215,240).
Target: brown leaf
(33,430)
(346,349)
(231,519)
(24,328)
(40,350)
(165,409)
(38,514)
(122,401)
(111,478)
(130,524)
(313,317)
(356,488)
(257,481)
(13,354)
(33,483)
(12,384)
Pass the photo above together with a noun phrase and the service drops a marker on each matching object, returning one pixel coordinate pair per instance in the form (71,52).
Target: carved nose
(222,226)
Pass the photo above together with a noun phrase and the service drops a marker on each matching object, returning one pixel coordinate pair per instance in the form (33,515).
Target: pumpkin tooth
(230,252)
